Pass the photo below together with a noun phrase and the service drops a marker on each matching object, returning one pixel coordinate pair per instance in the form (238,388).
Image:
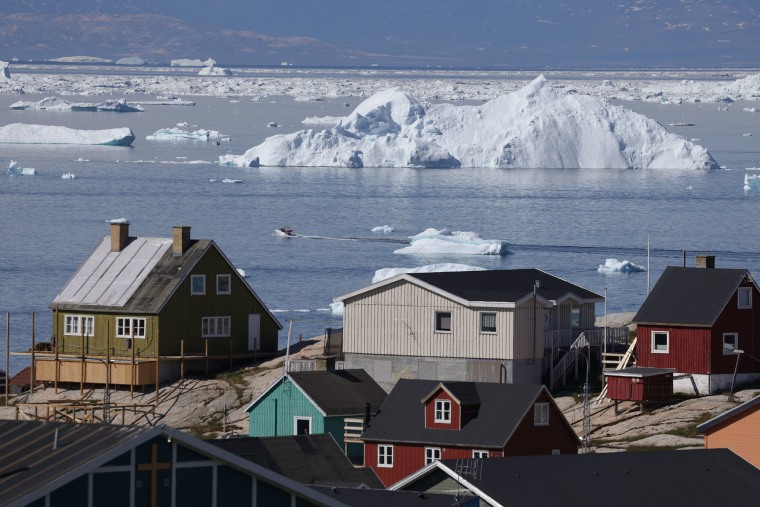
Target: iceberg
(752,182)
(5,71)
(58,104)
(444,241)
(131,60)
(177,134)
(616,266)
(25,133)
(385,229)
(535,127)
(186,62)
(68,176)
(14,168)
(166,101)
(214,71)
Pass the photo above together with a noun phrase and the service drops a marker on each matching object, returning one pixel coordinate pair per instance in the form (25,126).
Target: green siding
(104,341)
(334,426)
(274,414)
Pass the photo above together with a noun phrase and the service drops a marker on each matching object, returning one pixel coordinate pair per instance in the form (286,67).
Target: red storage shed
(640,384)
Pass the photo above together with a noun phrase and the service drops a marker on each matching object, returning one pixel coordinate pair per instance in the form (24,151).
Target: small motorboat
(284,232)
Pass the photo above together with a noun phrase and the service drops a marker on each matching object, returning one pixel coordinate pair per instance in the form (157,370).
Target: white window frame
(541,414)
(216,327)
(667,342)
(132,324)
(220,292)
(385,456)
(442,407)
(478,454)
(451,322)
(734,346)
(748,292)
(301,418)
(480,319)
(432,454)
(73,324)
(194,292)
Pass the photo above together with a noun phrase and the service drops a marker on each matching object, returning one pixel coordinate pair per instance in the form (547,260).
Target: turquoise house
(314,402)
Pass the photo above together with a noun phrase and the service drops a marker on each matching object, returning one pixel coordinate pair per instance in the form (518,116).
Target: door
(303,425)
(254,332)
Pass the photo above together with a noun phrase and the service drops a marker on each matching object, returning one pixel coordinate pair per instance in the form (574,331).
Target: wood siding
(104,341)
(529,439)
(399,319)
(650,388)
(430,412)
(688,349)
(740,434)
(744,322)
(274,415)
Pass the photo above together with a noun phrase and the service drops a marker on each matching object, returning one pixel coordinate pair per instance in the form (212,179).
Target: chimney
(706,261)
(119,236)
(180,239)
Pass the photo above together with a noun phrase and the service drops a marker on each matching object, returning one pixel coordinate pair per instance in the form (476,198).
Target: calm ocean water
(566,222)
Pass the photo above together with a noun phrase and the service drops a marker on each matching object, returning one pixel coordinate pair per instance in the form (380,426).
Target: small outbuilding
(640,384)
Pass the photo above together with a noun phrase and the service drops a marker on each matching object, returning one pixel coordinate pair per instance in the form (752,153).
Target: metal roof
(402,417)
(689,296)
(638,372)
(307,459)
(729,414)
(697,478)
(340,392)
(383,498)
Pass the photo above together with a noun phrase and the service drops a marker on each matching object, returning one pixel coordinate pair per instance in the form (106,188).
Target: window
(432,454)
(479,454)
(575,317)
(385,456)
(745,298)
(197,285)
(443,322)
(302,425)
(223,284)
(487,322)
(541,414)
(442,411)
(214,327)
(730,343)
(660,342)
(130,327)
(78,325)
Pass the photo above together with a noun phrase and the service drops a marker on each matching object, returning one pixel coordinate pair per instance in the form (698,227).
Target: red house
(698,322)
(422,421)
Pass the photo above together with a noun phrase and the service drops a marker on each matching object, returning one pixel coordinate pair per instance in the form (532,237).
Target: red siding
(652,388)
(430,412)
(689,350)
(734,320)
(529,439)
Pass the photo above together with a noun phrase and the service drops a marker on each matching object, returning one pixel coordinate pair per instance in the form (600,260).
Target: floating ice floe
(242,272)
(230,180)
(385,229)
(187,62)
(444,241)
(168,101)
(25,133)
(750,109)
(14,168)
(272,124)
(68,176)
(752,182)
(214,71)
(535,127)
(58,104)
(177,134)
(118,221)
(616,266)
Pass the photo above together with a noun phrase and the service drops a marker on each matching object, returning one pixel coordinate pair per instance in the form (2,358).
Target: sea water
(566,222)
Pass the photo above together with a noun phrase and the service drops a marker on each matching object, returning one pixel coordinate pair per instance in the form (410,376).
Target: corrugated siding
(740,434)
(399,319)
(688,352)
(274,415)
(529,334)
(430,412)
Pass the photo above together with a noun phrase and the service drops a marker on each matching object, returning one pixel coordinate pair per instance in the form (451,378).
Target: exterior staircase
(570,358)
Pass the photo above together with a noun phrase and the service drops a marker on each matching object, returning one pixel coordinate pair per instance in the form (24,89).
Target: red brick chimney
(180,239)
(119,236)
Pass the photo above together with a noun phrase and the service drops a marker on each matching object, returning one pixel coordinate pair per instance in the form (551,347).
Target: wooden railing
(567,360)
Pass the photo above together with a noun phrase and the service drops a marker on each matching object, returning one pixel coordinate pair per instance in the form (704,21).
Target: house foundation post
(31,385)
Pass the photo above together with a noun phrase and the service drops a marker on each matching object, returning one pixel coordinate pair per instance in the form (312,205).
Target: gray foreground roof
(402,415)
(694,478)
(689,296)
(384,498)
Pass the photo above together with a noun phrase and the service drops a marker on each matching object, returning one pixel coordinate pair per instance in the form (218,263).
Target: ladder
(622,364)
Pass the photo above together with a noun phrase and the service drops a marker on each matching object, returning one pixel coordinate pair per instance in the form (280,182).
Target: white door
(254,331)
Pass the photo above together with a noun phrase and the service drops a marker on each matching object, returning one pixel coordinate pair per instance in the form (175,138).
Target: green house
(152,309)
(310,402)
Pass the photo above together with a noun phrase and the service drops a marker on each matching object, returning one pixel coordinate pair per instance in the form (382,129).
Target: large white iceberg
(535,127)
(131,60)
(616,266)
(444,241)
(186,62)
(58,104)
(24,133)
(214,71)
(176,134)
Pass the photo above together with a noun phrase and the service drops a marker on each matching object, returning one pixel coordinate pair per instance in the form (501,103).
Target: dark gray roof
(30,467)
(729,414)
(308,459)
(340,392)
(506,285)
(383,498)
(703,477)
(638,371)
(689,296)
(402,416)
